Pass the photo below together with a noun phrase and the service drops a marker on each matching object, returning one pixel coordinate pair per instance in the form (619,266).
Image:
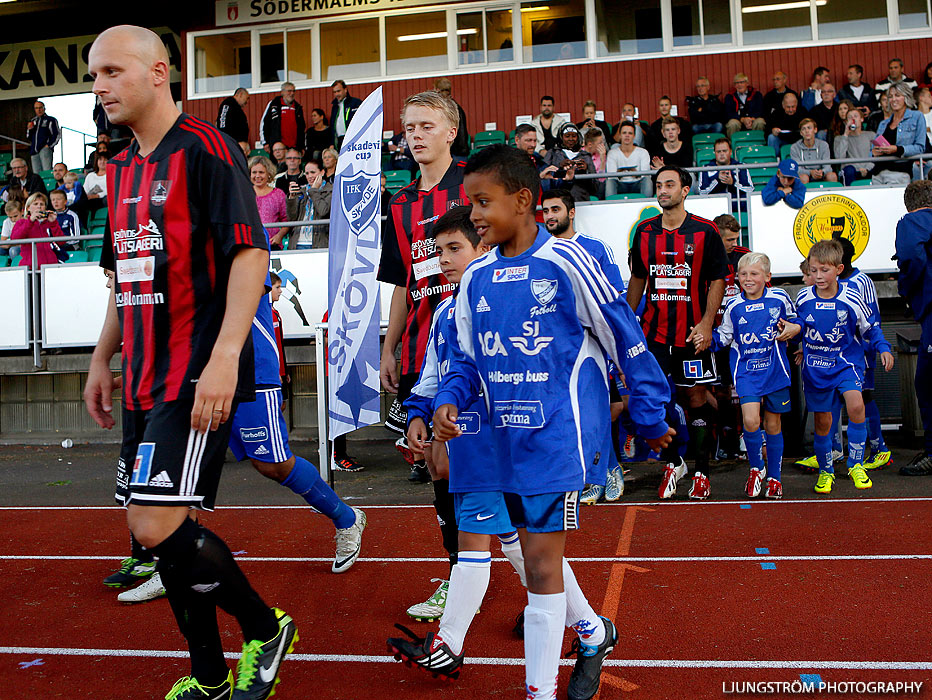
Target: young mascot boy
(534,320)
(755,326)
(475,481)
(835,319)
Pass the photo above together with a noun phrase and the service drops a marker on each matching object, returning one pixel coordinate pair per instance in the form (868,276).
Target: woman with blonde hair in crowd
(272,202)
(329,158)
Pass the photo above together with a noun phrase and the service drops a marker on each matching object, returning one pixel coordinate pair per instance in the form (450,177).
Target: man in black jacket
(706,111)
(231,118)
(24,180)
(773,100)
(859,92)
(283,120)
(342,109)
(460,145)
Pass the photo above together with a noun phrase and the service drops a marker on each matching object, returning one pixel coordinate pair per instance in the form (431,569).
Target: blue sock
(754,442)
(774,455)
(823,450)
(857,436)
(835,431)
(305,481)
(873,427)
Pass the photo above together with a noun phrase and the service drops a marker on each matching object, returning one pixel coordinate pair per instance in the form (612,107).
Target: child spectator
(785,185)
(534,319)
(13,210)
(73,190)
(37,223)
(756,326)
(809,148)
(835,319)
(469,463)
(67,219)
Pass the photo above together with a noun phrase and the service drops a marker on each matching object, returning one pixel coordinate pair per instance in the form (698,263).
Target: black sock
(446,517)
(701,428)
(615,437)
(339,447)
(206,565)
(137,551)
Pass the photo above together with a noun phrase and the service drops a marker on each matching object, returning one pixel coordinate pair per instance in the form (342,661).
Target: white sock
(469,581)
(543,640)
(511,548)
(579,614)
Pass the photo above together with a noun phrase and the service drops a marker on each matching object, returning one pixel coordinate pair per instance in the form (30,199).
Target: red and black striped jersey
(410,260)
(732,289)
(679,266)
(176,220)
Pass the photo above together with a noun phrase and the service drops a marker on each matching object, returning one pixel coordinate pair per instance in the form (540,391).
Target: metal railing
(60,147)
(14,141)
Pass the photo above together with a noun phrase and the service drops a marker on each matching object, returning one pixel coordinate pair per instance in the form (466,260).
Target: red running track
(696,610)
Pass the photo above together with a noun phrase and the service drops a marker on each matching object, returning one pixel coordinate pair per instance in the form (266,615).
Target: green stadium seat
(93,254)
(4,260)
(758,159)
(487,138)
(760,186)
(629,195)
(77,256)
(511,136)
(706,138)
(823,185)
(16,260)
(762,175)
(752,136)
(742,217)
(785,150)
(45,174)
(258,152)
(99,217)
(861,183)
(6,157)
(704,155)
(755,149)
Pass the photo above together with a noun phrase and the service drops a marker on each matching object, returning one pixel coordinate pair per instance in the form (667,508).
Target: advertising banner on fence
(14,311)
(866,216)
(355,243)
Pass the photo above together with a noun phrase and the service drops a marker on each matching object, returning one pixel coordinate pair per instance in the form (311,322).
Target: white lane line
(500,661)
(433,560)
(643,504)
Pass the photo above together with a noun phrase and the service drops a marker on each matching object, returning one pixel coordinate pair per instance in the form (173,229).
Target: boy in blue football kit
(755,326)
(836,324)
(469,464)
(534,320)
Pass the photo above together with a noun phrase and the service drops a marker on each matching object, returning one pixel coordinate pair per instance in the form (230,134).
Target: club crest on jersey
(158,195)
(690,250)
(774,313)
(544,291)
(842,315)
(359,199)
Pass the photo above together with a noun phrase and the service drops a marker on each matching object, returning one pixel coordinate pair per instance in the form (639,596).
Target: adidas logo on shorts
(261,450)
(161,480)
(483,305)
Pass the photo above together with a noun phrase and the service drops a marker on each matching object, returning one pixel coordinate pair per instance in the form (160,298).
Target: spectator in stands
(58,173)
(548,125)
(590,122)
(773,100)
(13,210)
(655,136)
(785,185)
(672,150)
(272,202)
(329,160)
(76,195)
(883,112)
(629,114)
(628,157)
(783,125)
(278,156)
(103,146)
(809,148)
(342,109)
(231,119)
(67,220)
(855,143)
(744,107)
(460,146)
(22,179)
(283,120)
(313,203)
(923,97)
(706,111)
(291,181)
(95,184)
(813,94)
(570,160)
(839,121)
(526,140)
(594,145)
(824,112)
(926,79)
(319,136)
(905,133)
(895,75)
(401,158)
(37,223)
(43,135)
(859,92)
(732,181)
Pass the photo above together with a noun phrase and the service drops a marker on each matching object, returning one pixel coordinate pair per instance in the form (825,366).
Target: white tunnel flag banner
(355,243)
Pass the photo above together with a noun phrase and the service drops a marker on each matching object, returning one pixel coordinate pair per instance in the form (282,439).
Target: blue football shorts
(546,512)
(259,429)
(482,513)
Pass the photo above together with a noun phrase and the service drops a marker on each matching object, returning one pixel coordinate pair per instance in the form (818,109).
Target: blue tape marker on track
(745,506)
(814,678)
(762,550)
(767,565)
